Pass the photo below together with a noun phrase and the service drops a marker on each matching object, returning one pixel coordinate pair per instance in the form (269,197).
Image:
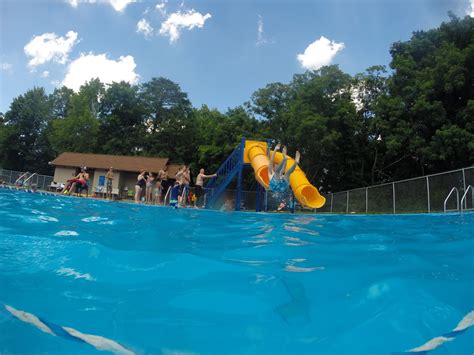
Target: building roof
(104,161)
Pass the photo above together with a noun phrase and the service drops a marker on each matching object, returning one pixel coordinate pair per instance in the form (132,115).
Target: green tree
(213,138)
(61,101)
(271,105)
(368,88)
(425,112)
(122,128)
(23,141)
(327,129)
(78,131)
(169,120)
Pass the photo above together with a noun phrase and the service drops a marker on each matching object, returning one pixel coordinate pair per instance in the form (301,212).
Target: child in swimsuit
(279,179)
(149,188)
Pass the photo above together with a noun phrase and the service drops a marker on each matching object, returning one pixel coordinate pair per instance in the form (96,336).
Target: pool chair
(54,186)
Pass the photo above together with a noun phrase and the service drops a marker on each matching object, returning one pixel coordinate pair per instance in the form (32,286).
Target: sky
(218,51)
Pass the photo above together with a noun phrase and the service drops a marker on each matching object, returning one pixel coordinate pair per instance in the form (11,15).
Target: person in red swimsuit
(81,179)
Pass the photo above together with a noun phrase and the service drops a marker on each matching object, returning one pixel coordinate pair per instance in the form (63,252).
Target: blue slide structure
(255,154)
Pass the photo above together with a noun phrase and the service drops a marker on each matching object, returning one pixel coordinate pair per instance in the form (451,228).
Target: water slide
(255,154)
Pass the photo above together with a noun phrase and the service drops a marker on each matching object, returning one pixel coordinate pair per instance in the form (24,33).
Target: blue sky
(218,51)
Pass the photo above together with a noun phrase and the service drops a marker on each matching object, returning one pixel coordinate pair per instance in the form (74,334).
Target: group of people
(151,186)
(153,189)
(180,189)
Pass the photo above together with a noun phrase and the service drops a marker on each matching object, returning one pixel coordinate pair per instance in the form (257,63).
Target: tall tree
(23,141)
(164,101)
(122,127)
(326,128)
(61,101)
(426,126)
(78,131)
(367,90)
(271,105)
(169,119)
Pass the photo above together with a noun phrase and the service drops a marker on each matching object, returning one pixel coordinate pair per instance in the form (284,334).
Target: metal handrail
(24,182)
(183,196)
(463,198)
(166,195)
(20,177)
(449,195)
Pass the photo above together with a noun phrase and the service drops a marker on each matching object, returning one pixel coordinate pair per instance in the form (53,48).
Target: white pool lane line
(98,342)
(432,344)
(105,344)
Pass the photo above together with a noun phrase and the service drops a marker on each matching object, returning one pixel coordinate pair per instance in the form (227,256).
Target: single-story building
(126,169)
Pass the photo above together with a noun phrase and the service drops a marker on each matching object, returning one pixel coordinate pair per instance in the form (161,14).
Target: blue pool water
(155,280)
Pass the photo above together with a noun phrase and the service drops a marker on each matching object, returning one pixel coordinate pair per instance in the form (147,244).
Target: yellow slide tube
(255,153)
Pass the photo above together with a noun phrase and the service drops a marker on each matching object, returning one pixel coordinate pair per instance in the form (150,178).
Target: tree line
(413,118)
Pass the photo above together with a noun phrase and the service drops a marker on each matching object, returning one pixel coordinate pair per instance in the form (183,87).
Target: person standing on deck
(149,188)
(199,186)
(186,181)
(108,187)
(164,184)
(140,186)
(180,179)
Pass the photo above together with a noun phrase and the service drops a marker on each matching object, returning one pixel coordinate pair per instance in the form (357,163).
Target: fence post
(238,198)
(10,178)
(463,180)
(347,202)
(428,193)
(393,196)
(464,186)
(366,200)
(332,195)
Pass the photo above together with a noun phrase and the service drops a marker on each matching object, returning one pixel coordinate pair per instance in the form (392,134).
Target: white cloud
(49,46)
(6,66)
(118,5)
(75,3)
(261,40)
(178,21)
(45,74)
(143,26)
(161,7)
(470,11)
(90,66)
(319,53)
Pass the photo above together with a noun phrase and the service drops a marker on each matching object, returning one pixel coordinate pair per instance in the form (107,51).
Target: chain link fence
(25,179)
(423,194)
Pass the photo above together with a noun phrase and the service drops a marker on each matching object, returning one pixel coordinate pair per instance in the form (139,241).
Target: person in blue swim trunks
(279,179)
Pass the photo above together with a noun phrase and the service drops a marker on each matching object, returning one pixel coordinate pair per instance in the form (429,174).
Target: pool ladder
(463,199)
(20,177)
(460,206)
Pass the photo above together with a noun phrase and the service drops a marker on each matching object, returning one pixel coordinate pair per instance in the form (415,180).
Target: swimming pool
(146,279)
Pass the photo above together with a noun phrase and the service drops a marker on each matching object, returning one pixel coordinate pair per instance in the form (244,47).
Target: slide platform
(256,155)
